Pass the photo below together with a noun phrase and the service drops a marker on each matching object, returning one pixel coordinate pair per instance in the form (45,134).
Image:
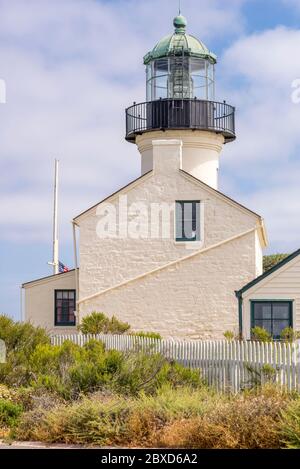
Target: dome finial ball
(179,22)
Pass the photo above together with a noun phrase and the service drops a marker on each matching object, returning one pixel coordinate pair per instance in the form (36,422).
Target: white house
(168,251)
(272,300)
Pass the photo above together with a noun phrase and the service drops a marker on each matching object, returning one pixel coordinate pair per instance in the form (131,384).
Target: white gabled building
(272,300)
(168,251)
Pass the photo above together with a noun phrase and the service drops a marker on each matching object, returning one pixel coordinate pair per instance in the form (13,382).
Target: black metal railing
(194,114)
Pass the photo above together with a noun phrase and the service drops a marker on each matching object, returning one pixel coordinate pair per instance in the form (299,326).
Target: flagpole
(55,222)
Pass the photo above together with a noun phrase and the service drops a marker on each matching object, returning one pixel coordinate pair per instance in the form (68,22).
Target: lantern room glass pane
(160,79)
(180,77)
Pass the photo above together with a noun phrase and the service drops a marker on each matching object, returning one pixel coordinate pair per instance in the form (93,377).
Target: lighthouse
(180,104)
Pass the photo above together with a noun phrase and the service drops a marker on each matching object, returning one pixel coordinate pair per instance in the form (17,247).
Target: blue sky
(72,66)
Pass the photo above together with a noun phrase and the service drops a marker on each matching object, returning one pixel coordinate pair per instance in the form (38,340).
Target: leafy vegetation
(260,334)
(99,323)
(9,413)
(229,335)
(288,334)
(95,396)
(290,425)
(271,260)
(181,418)
(147,335)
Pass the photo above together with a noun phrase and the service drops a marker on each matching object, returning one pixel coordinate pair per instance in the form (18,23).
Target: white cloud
(261,168)
(71,67)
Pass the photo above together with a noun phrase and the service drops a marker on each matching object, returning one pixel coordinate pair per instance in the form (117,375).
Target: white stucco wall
(200,152)
(39,301)
(283,284)
(194,298)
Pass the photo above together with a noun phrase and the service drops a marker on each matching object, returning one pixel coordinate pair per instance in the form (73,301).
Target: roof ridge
(273,269)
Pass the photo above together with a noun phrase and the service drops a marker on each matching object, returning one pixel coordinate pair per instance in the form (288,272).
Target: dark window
(187,220)
(274,316)
(64,307)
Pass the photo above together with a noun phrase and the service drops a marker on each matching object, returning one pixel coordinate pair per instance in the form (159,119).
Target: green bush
(21,337)
(9,413)
(21,340)
(147,335)
(148,372)
(99,323)
(69,370)
(260,334)
(229,335)
(271,260)
(289,335)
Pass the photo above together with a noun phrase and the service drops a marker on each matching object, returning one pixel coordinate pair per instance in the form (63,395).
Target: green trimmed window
(64,307)
(187,220)
(274,316)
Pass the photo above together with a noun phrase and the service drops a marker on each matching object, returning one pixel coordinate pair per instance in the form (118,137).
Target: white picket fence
(227,365)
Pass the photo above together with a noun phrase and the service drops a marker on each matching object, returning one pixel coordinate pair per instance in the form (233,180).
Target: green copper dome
(179,42)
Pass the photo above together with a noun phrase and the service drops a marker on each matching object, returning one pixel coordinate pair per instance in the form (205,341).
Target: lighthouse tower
(180,104)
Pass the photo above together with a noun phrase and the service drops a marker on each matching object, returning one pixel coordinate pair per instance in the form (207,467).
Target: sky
(71,67)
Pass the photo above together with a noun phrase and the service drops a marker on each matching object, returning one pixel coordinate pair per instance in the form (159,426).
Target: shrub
(182,418)
(147,335)
(260,334)
(151,413)
(97,323)
(115,326)
(243,422)
(113,420)
(289,426)
(86,421)
(229,335)
(70,369)
(288,334)
(9,413)
(5,393)
(21,337)
(21,340)
(143,372)
(271,260)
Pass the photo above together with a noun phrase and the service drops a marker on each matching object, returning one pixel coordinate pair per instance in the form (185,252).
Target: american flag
(62,267)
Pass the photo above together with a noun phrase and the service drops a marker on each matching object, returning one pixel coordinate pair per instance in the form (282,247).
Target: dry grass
(245,421)
(290,425)
(181,418)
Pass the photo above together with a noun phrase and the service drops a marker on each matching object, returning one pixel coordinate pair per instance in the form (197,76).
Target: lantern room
(180,67)
(180,89)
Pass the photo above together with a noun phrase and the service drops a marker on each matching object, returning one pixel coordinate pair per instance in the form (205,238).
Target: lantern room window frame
(160,75)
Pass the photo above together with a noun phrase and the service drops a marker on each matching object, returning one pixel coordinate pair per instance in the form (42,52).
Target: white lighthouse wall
(200,152)
(194,298)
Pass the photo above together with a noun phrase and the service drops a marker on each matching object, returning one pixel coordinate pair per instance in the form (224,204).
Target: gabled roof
(48,277)
(140,178)
(263,233)
(221,194)
(268,272)
(198,181)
